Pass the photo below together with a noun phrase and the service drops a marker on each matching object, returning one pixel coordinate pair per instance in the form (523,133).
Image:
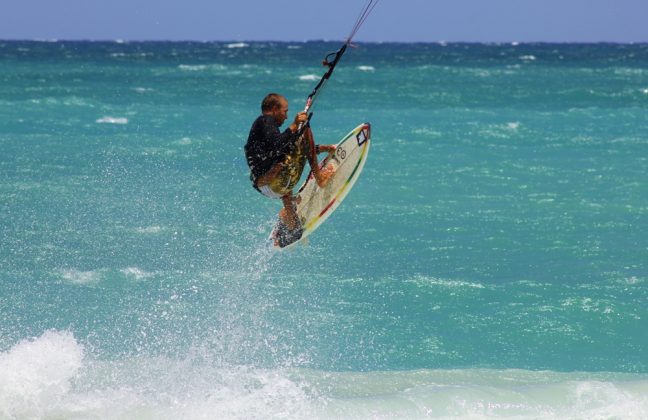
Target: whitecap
(427,131)
(625,71)
(76,101)
(366,68)
(309,78)
(193,387)
(528,57)
(202,67)
(149,229)
(187,67)
(112,120)
(645,91)
(38,373)
(633,280)
(142,90)
(237,45)
(424,281)
(75,276)
(135,273)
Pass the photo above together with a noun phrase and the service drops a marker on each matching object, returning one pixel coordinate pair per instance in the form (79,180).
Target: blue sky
(289,20)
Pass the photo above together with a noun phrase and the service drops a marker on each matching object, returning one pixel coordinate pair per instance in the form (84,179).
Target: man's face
(280,113)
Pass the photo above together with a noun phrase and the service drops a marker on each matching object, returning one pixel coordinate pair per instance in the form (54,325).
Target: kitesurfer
(277,159)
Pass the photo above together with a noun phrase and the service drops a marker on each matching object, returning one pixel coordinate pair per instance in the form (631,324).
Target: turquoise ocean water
(492,260)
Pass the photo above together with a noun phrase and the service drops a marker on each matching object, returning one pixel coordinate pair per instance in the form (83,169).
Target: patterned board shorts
(268,192)
(287,178)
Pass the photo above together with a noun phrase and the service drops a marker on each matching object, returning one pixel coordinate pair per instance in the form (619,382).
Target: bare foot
(325,175)
(290,222)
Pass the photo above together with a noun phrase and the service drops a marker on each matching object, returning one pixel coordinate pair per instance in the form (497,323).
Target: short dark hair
(270,102)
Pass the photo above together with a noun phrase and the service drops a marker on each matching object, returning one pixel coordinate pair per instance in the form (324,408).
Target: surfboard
(315,204)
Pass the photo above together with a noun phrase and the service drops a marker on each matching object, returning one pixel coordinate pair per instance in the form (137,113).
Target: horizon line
(233,42)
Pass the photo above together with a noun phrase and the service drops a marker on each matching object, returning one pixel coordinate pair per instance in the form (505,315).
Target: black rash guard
(267,146)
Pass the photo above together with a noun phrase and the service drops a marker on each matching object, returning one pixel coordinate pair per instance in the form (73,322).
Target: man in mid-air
(277,159)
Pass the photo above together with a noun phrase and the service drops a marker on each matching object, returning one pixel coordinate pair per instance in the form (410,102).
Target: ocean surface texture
(491,261)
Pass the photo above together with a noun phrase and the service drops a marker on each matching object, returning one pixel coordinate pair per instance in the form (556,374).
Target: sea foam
(366,68)
(112,120)
(75,276)
(149,229)
(50,377)
(309,78)
(135,273)
(36,374)
(189,67)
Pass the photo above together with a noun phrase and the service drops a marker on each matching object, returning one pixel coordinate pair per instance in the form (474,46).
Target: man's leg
(288,214)
(291,230)
(321,176)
